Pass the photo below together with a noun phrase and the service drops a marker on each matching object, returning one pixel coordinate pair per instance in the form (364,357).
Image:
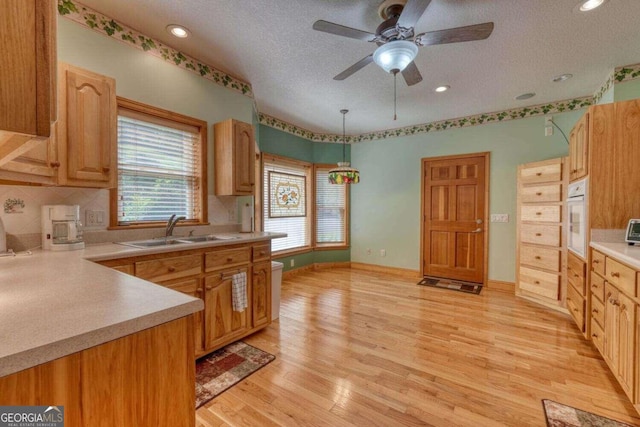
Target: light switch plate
(499,217)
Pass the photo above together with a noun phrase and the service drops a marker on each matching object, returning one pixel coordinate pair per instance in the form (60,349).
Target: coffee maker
(61,228)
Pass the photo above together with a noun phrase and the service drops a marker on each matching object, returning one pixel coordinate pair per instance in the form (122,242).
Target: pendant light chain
(344,173)
(395,96)
(344,139)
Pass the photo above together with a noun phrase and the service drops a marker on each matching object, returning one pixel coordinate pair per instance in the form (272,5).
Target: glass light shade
(344,174)
(395,55)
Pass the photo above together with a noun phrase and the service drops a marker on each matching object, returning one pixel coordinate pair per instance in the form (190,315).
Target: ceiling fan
(396,38)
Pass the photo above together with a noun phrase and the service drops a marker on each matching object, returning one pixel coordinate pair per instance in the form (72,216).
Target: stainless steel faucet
(173,220)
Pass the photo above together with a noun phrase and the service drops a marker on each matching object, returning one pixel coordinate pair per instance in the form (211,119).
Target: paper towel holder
(246,225)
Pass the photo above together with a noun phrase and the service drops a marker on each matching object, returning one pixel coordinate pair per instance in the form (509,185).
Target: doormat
(226,367)
(559,415)
(456,285)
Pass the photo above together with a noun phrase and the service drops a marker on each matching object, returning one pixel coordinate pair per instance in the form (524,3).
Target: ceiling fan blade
(341,30)
(412,11)
(411,74)
(355,67)
(455,35)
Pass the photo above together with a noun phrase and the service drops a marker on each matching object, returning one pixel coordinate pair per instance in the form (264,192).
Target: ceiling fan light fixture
(395,55)
(178,31)
(344,173)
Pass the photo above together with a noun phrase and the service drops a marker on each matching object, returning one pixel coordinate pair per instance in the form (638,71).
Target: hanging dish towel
(239,291)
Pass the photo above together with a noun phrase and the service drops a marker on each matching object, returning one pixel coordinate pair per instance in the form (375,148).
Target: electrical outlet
(93,218)
(499,217)
(383,252)
(292,263)
(368,251)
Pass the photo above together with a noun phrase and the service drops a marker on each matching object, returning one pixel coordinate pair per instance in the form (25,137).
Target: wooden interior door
(454,216)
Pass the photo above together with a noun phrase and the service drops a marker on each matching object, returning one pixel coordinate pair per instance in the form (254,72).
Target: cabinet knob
(537,282)
(55,164)
(615,274)
(595,310)
(106,169)
(537,257)
(596,261)
(539,174)
(538,213)
(538,194)
(575,275)
(171,269)
(594,335)
(229,259)
(614,302)
(538,234)
(576,310)
(198,291)
(262,253)
(574,171)
(208,287)
(594,286)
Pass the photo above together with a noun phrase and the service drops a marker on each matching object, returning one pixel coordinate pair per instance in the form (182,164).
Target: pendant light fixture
(344,173)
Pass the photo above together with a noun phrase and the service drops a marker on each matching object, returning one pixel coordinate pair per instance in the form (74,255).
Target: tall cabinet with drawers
(541,253)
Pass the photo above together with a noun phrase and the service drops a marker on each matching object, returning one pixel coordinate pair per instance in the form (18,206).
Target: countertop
(621,251)
(53,304)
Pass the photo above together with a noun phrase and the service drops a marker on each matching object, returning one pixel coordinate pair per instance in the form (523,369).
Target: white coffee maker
(61,228)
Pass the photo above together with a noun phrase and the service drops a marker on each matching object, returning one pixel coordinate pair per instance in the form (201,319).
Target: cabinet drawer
(597,286)
(545,173)
(159,270)
(539,282)
(597,335)
(597,262)
(541,193)
(623,277)
(575,273)
(227,258)
(545,258)
(548,235)
(540,213)
(126,268)
(261,252)
(186,286)
(575,305)
(597,310)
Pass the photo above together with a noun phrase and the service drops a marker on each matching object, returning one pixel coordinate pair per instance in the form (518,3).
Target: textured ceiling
(271,45)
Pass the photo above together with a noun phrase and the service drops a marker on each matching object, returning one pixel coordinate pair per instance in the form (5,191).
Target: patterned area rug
(559,415)
(456,285)
(226,367)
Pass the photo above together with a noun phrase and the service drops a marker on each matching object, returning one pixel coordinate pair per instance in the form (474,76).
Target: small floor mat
(559,415)
(456,285)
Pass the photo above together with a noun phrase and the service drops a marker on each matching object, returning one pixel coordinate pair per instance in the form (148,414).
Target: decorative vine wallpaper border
(83,15)
(96,21)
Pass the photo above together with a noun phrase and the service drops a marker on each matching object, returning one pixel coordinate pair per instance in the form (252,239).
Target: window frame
(310,201)
(347,212)
(180,119)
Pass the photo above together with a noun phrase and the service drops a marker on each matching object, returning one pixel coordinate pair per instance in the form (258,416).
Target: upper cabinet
(27,79)
(87,128)
(579,149)
(234,152)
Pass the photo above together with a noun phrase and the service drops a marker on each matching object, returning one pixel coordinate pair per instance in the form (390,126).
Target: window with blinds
(331,210)
(280,175)
(160,166)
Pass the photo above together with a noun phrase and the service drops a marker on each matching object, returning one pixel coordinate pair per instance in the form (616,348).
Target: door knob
(477,230)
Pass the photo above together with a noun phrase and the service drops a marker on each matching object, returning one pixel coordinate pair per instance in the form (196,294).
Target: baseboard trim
(499,285)
(403,272)
(291,273)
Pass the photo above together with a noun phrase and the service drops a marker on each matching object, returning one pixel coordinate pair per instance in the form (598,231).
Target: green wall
(626,91)
(275,141)
(385,205)
(145,78)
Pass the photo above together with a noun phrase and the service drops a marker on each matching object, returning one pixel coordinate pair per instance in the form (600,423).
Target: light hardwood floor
(363,348)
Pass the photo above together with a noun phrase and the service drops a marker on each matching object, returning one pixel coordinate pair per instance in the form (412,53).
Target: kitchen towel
(239,291)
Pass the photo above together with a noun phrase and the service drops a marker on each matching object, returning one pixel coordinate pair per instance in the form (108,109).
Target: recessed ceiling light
(178,31)
(586,6)
(525,96)
(443,88)
(562,78)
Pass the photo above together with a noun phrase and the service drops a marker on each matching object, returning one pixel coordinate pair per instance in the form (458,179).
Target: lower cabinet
(223,323)
(207,274)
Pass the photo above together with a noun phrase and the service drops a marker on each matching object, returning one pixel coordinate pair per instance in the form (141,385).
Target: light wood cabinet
(541,252)
(206,273)
(87,128)
(223,323)
(27,88)
(619,335)
(234,158)
(579,149)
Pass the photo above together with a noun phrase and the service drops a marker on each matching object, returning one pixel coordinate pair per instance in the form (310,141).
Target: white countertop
(621,251)
(53,304)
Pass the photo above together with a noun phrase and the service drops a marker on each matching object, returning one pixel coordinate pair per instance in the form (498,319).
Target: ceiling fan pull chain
(395,96)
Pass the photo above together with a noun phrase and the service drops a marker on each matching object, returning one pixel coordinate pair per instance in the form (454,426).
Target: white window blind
(158,168)
(331,210)
(297,227)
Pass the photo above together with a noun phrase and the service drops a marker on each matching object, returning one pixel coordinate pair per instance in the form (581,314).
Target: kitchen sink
(152,243)
(196,239)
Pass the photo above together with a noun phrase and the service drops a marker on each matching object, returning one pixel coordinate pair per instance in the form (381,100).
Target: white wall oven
(577,217)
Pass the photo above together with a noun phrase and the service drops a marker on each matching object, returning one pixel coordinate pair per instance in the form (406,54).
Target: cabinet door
(579,149)
(87,130)
(626,332)
(192,288)
(611,321)
(38,164)
(222,324)
(261,294)
(244,157)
